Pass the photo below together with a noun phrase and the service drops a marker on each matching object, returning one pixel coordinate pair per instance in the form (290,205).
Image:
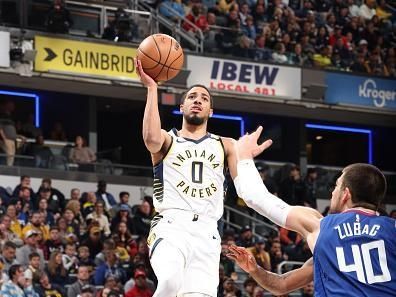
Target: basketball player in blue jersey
(354,249)
(189,167)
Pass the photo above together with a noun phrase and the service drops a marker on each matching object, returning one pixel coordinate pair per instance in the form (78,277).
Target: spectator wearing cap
(260,254)
(46,288)
(30,246)
(131,282)
(81,284)
(93,241)
(246,238)
(17,285)
(140,289)
(123,215)
(56,199)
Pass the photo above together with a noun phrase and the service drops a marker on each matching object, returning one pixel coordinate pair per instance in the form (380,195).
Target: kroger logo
(379,97)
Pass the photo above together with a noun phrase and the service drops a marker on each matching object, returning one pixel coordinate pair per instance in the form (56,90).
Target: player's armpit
(158,154)
(304,220)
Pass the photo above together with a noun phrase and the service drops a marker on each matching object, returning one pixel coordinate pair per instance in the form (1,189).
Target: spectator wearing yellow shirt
(382,11)
(324,58)
(16,226)
(34,224)
(262,257)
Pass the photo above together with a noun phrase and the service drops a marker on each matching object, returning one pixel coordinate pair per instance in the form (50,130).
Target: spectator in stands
(122,29)
(261,53)
(73,227)
(122,216)
(81,153)
(291,189)
(172,9)
(140,288)
(54,243)
(57,273)
(58,18)
(30,246)
(15,225)
(310,182)
(246,238)
(41,153)
(75,207)
(110,267)
(62,227)
(308,290)
(89,205)
(228,266)
(278,56)
(367,9)
(33,224)
(249,285)
(324,58)
(46,288)
(43,208)
(123,200)
(375,65)
(84,258)
(261,255)
(263,169)
(75,194)
(276,254)
(70,259)
(142,219)
(93,240)
(56,199)
(58,133)
(8,133)
(7,256)
(104,196)
(196,17)
(6,232)
(82,281)
(33,271)
(25,183)
(99,216)
(17,285)
(230,289)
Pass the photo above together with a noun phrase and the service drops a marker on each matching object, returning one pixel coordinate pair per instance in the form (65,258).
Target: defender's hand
(243,258)
(247,148)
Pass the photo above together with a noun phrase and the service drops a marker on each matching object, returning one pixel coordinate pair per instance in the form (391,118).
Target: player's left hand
(247,146)
(243,258)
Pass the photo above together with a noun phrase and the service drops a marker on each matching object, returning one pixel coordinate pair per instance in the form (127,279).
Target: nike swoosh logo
(180,141)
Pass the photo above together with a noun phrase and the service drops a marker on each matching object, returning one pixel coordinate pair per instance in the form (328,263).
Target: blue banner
(360,90)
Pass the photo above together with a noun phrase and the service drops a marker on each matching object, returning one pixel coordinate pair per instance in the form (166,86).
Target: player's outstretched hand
(247,146)
(146,80)
(243,258)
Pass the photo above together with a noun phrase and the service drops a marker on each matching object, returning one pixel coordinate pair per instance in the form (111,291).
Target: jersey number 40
(362,257)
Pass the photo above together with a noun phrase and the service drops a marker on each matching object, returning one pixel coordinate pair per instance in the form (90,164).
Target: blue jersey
(355,255)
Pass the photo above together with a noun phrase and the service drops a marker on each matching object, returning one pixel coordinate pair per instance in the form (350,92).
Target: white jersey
(191,176)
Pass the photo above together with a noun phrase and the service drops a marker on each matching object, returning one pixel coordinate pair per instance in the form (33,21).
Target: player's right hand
(243,258)
(146,80)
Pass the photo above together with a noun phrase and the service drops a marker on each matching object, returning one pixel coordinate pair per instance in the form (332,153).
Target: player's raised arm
(251,188)
(154,137)
(278,284)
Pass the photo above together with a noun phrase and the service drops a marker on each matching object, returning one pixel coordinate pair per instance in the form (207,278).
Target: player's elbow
(154,146)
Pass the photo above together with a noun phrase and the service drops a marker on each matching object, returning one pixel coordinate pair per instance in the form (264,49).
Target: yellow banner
(87,58)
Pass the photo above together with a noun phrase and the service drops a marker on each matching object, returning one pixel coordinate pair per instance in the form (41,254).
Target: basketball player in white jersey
(189,166)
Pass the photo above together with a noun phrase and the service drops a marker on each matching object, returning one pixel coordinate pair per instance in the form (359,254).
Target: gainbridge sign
(84,58)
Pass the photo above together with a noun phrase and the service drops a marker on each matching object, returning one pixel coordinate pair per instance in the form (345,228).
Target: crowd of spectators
(343,35)
(89,243)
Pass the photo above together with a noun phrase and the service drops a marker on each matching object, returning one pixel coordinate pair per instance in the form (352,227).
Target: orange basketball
(161,56)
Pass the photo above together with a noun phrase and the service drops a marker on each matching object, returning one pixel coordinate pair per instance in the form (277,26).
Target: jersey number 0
(363,252)
(196,172)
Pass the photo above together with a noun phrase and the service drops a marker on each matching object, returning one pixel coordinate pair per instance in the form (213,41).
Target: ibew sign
(362,91)
(245,77)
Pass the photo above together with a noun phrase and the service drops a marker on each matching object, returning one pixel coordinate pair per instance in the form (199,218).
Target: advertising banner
(360,91)
(84,58)
(245,77)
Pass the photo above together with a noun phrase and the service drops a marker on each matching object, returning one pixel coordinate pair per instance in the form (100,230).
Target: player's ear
(211,113)
(347,196)
(181,107)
